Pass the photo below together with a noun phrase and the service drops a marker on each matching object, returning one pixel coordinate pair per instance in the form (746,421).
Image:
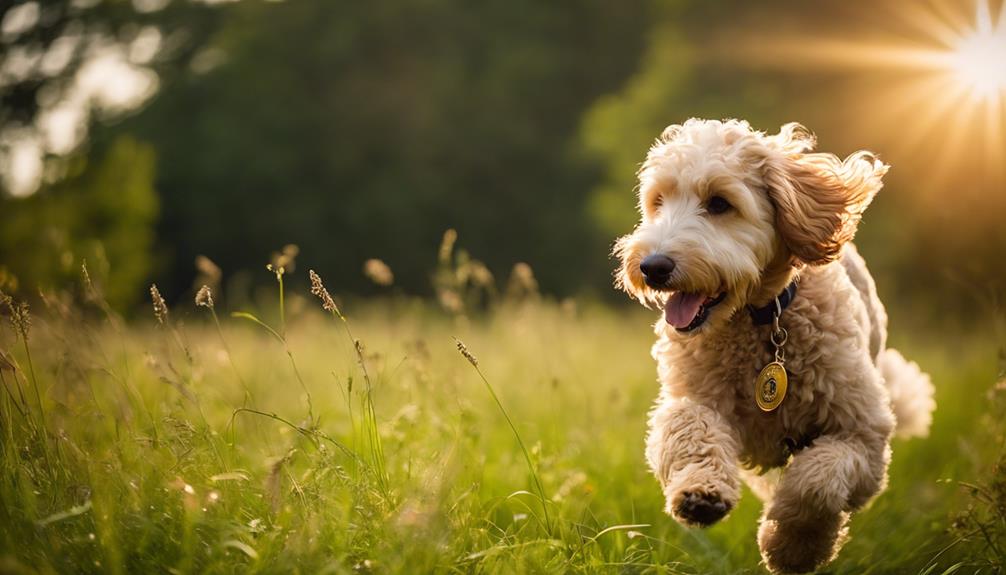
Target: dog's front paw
(698,508)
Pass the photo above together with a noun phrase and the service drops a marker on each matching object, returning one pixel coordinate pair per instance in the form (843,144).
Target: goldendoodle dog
(771,348)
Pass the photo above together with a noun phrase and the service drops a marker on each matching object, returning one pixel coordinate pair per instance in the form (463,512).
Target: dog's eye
(717,205)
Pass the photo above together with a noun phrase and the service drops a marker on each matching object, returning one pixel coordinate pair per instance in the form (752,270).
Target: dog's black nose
(656,269)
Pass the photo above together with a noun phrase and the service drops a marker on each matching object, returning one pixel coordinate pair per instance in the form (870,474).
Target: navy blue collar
(763,315)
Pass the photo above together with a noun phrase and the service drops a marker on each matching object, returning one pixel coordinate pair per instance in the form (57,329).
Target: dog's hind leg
(804,526)
(910,388)
(693,453)
(876,315)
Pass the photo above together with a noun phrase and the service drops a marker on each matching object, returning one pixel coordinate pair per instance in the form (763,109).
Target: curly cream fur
(793,215)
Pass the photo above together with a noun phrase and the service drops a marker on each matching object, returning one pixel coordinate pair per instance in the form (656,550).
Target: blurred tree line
(361,130)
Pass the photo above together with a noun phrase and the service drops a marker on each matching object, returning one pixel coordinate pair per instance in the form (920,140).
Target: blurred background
(140,135)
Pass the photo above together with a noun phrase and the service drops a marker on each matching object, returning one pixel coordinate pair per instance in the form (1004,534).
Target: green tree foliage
(102,212)
(92,202)
(620,127)
(365,129)
(673,82)
(45,45)
(361,130)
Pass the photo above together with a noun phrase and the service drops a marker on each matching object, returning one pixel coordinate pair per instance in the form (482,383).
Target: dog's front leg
(693,453)
(804,526)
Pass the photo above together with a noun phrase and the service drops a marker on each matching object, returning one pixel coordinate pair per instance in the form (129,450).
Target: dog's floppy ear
(819,199)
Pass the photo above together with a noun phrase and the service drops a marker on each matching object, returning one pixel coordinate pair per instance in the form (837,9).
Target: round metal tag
(770,386)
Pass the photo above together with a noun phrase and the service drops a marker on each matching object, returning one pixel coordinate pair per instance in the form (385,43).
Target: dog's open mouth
(687,311)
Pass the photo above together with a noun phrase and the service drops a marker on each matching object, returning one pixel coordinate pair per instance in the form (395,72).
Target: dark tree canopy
(362,130)
(358,131)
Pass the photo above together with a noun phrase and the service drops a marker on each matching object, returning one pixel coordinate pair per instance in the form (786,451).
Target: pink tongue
(682,308)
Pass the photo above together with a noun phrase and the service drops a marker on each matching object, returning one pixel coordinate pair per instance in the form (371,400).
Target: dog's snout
(657,269)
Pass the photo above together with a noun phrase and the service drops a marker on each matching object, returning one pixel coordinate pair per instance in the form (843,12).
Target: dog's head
(728,213)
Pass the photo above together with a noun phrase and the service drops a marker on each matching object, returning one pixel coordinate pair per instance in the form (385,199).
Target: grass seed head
(447,246)
(204,297)
(278,270)
(318,289)
(378,272)
(86,277)
(522,282)
(451,301)
(208,269)
(480,276)
(20,317)
(160,307)
(468,355)
(283,261)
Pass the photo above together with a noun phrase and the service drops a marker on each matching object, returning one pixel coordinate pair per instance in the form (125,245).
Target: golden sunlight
(979,57)
(938,83)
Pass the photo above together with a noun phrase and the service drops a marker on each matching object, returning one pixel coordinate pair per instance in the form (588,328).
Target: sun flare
(979,57)
(938,85)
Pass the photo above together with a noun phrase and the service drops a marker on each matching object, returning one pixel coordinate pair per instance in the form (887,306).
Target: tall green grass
(362,441)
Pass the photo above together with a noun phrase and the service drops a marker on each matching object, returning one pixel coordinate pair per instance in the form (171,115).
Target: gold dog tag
(770,386)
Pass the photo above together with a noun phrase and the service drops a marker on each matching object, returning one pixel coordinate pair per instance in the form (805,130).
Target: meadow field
(199,440)
(165,413)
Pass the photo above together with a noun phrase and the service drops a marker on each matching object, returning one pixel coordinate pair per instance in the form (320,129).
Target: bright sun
(938,81)
(979,57)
